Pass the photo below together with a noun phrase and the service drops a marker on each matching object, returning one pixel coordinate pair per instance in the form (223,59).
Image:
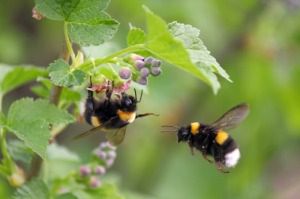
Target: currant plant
(33,162)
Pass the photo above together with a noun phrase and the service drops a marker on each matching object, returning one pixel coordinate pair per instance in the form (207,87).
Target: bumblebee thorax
(195,128)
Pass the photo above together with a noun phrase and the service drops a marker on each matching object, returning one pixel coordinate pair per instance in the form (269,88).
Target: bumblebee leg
(145,114)
(191,148)
(109,90)
(89,104)
(206,158)
(221,167)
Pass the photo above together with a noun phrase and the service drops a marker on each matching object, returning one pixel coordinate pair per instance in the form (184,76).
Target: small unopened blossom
(136,57)
(111,154)
(125,73)
(144,72)
(17,178)
(111,147)
(139,64)
(85,170)
(101,154)
(148,61)
(155,71)
(94,182)
(103,145)
(110,162)
(142,81)
(156,63)
(123,87)
(99,170)
(100,87)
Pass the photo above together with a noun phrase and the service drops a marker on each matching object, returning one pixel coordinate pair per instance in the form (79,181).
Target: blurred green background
(257,42)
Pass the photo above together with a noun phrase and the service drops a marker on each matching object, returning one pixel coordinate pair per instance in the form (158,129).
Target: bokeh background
(257,42)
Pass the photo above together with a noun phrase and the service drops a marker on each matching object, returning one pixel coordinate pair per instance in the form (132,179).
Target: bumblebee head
(183,134)
(128,103)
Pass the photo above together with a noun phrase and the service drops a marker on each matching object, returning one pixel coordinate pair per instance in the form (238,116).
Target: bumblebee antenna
(169,128)
(135,95)
(141,96)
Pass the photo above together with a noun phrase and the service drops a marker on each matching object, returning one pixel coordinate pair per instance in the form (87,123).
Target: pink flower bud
(85,170)
(99,170)
(94,182)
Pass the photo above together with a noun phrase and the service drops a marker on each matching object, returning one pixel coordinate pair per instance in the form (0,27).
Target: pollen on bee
(95,121)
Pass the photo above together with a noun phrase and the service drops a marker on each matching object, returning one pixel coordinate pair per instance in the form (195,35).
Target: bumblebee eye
(128,102)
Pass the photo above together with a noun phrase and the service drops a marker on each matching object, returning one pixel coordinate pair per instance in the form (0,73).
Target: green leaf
(66,196)
(106,191)
(30,121)
(86,20)
(17,76)
(20,152)
(199,54)
(135,36)
(61,74)
(60,161)
(35,189)
(2,119)
(4,69)
(161,43)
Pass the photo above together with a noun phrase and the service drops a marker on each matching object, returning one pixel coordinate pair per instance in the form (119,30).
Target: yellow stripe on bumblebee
(195,126)
(221,137)
(126,116)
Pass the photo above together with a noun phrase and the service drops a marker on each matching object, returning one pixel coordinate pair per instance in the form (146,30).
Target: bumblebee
(212,140)
(111,115)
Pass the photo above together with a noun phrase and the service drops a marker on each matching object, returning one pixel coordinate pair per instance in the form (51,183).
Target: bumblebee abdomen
(221,137)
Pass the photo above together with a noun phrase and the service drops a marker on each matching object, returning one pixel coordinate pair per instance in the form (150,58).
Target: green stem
(90,63)
(1,96)
(68,43)
(6,157)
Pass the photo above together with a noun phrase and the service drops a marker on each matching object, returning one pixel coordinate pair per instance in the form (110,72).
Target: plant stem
(68,43)
(90,63)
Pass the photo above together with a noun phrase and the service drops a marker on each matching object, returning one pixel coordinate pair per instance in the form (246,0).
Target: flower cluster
(143,67)
(103,158)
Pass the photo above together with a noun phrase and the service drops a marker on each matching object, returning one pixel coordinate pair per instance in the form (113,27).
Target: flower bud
(136,57)
(142,81)
(139,64)
(155,71)
(144,72)
(111,154)
(110,146)
(17,178)
(94,182)
(110,162)
(101,154)
(99,170)
(125,73)
(148,61)
(85,170)
(156,63)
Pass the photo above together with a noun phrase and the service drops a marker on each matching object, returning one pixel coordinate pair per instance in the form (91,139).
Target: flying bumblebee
(111,115)
(211,140)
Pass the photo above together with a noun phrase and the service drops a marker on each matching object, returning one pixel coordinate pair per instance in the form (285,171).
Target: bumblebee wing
(116,137)
(232,118)
(91,131)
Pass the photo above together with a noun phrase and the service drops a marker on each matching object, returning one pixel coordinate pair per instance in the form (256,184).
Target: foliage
(37,122)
